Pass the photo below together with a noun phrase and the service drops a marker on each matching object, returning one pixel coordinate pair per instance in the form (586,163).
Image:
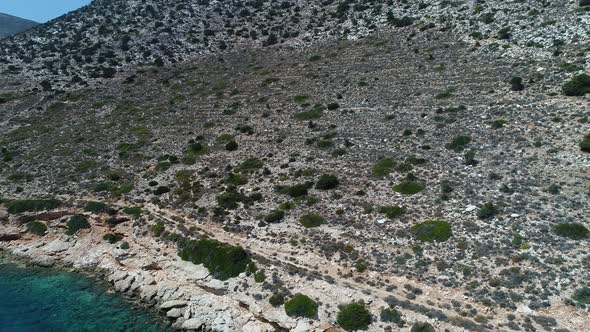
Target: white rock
(381,221)
(192,324)
(470,208)
(57,246)
(175,312)
(302,326)
(173,304)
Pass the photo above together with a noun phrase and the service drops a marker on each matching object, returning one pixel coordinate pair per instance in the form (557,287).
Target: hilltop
(11,25)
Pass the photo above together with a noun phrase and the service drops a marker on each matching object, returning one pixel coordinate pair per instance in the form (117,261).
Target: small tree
(516,84)
(577,86)
(422,327)
(353,317)
(301,306)
(327,182)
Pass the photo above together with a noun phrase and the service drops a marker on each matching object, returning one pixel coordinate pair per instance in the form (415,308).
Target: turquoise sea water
(45,300)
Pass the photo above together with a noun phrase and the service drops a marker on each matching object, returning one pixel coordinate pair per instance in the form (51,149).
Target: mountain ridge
(101,39)
(11,25)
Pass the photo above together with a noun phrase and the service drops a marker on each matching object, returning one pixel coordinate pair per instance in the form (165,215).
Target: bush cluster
(327,182)
(224,261)
(383,167)
(422,327)
(353,317)
(112,238)
(432,230)
(76,223)
(311,220)
(458,143)
(582,295)
(274,216)
(578,86)
(29,205)
(99,207)
(408,187)
(574,231)
(37,228)
(301,306)
(392,211)
(391,316)
(585,144)
(487,211)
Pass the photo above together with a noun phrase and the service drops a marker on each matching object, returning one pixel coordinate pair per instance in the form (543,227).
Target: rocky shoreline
(182,294)
(96,275)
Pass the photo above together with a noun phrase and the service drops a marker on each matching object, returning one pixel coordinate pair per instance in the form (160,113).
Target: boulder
(57,246)
(175,312)
(192,324)
(173,304)
(302,326)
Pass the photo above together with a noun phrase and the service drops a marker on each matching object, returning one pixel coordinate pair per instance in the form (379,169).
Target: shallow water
(37,299)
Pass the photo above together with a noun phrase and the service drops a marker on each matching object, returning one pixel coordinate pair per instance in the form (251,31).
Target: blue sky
(40,10)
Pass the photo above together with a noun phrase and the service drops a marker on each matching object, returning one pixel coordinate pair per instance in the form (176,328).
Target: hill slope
(11,25)
(434,165)
(107,36)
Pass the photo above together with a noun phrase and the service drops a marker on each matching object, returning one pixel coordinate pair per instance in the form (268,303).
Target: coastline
(99,277)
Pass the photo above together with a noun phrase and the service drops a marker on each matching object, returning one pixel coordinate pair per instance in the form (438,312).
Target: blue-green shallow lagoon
(45,300)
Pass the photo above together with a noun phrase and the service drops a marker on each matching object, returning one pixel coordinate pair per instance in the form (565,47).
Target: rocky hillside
(432,173)
(106,36)
(11,25)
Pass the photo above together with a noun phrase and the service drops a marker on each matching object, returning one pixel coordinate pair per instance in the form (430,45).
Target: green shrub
(578,86)
(488,210)
(230,199)
(383,167)
(297,190)
(516,84)
(360,267)
(392,211)
(391,316)
(326,182)
(315,113)
(37,228)
(157,229)
(300,99)
(311,220)
(29,205)
(333,106)
(497,124)
(574,231)
(409,187)
(274,216)
(585,143)
(86,166)
(259,276)
(124,245)
(135,212)
(112,238)
(231,145)
(99,207)
(236,179)
(277,299)
(582,295)
(250,165)
(301,306)
(224,261)
(353,317)
(161,190)
(432,230)
(458,143)
(76,223)
(422,327)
